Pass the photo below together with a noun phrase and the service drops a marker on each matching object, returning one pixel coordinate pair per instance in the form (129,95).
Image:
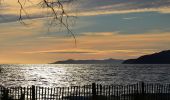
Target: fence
(139,91)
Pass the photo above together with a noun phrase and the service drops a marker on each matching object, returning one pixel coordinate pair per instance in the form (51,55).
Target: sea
(66,75)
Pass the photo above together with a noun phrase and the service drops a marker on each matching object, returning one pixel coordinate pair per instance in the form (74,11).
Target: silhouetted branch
(58,14)
(56,10)
(22,11)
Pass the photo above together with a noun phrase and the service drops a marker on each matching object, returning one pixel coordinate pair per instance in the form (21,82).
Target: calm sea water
(61,75)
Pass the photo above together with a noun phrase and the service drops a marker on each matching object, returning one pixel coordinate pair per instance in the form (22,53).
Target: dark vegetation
(156,58)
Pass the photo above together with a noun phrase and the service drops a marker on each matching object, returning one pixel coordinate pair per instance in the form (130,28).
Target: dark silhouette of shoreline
(162,57)
(105,61)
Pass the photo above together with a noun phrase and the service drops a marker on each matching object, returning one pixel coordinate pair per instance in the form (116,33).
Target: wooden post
(22,94)
(101,89)
(33,92)
(94,91)
(5,94)
(142,88)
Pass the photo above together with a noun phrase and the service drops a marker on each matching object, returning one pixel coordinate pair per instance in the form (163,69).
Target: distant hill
(105,61)
(156,58)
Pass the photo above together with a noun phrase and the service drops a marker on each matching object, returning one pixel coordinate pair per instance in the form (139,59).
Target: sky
(118,29)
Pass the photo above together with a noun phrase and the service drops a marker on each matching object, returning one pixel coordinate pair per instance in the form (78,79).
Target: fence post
(5,94)
(101,89)
(33,92)
(94,91)
(142,88)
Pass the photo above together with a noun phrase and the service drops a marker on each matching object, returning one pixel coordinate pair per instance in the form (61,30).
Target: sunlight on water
(41,75)
(26,75)
(51,75)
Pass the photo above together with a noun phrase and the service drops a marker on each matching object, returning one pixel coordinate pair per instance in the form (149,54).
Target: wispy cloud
(94,45)
(105,43)
(123,11)
(129,18)
(67,51)
(89,8)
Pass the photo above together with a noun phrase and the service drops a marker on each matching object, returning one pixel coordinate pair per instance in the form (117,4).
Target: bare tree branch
(56,10)
(22,11)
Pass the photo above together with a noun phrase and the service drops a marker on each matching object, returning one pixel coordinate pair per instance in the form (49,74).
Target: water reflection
(67,75)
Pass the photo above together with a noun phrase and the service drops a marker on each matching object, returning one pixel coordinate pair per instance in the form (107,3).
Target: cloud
(68,51)
(109,43)
(91,45)
(163,10)
(117,41)
(91,51)
(98,33)
(88,8)
(129,18)
(10,10)
(98,7)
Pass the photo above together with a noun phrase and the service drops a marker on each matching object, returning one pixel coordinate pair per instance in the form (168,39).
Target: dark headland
(105,61)
(156,58)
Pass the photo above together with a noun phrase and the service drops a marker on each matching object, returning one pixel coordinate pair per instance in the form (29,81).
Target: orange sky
(102,33)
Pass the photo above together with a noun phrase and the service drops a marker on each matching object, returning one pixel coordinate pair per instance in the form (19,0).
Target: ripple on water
(67,75)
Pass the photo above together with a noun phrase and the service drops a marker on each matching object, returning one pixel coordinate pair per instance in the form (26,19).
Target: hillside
(156,58)
(105,61)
